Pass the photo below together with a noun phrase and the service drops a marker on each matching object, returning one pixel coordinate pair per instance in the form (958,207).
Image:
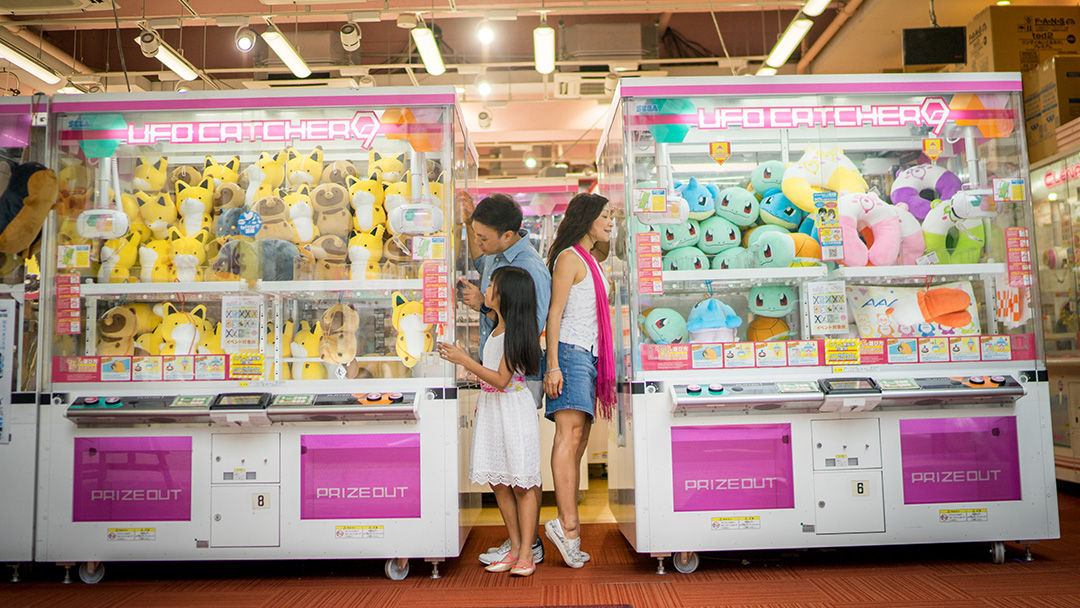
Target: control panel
(944,390)
(151,409)
(345,407)
(688,398)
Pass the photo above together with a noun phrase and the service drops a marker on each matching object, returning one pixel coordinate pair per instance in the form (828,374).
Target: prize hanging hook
(708,288)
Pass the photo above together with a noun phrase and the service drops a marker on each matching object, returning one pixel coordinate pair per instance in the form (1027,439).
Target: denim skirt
(578,367)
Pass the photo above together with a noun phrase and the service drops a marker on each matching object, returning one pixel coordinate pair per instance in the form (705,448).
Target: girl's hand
(553,382)
(452,353)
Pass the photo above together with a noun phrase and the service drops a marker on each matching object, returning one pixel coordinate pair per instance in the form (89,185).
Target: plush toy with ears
(29,192)
(339,324)
(305,345)
(413,335)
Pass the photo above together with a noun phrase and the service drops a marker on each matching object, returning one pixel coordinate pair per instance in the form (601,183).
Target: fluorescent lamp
(544,49)
(429,50)
(175,62)
(36,68)
(70,89)
(285,51)
(813,8)
(766,71)
(793,35)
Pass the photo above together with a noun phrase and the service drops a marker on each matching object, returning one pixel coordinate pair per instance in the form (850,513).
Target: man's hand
(470,294)
(465,206)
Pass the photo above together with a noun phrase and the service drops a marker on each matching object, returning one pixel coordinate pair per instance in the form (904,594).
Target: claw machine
(240,358)
(1057,235)
(22,143)
(825,293)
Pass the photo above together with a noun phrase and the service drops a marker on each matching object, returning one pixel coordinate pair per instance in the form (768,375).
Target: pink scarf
(605,364)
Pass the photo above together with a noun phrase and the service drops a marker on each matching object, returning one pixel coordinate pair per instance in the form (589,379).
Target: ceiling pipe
(46,47)
(841,18)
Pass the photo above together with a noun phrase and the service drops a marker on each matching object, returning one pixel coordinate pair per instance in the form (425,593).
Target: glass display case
(259,278)
(1057,236)
(798,258)
(20,142)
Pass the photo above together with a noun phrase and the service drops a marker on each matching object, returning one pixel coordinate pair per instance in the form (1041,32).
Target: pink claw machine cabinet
(1057,234)
(247,296)
(22,140)
(825,289)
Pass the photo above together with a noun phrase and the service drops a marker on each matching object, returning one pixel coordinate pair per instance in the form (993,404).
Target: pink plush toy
(866,210)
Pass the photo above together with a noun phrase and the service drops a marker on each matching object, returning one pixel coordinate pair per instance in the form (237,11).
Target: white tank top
(579,326)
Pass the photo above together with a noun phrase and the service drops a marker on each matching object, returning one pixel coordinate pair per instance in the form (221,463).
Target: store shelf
(283,287)
(756,275)
(921,271)
(128,289)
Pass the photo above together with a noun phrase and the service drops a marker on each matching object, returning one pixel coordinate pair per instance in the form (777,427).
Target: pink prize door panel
(948,460)
(732,467)
(132,479)
(360,476)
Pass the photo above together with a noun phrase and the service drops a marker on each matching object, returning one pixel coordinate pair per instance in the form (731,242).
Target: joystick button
(998,379)
(90,400)
(395,397)
(693,389)
(112,400)
(977,380)
(716,389)
(372,396)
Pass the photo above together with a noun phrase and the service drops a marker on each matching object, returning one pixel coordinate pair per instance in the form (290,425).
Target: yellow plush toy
(146,320)
(820,170)
(150,176)
(365,253)
(188,254)
(117,258)
(135,219)
(180,332)
(154,263)
(116,332)
(305,344)
(221,173)
(413,335)
(397,195)
(366,197)
(304,169)
(265,175)
(158,212)
(210,344)
(301,215)
(389,169)
(195,204)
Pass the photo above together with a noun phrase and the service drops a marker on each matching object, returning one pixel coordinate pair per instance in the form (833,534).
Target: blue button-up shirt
(522,255)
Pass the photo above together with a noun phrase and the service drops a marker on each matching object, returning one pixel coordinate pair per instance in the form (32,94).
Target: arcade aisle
(954,575)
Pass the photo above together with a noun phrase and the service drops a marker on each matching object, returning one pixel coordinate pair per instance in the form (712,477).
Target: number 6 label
(860,488)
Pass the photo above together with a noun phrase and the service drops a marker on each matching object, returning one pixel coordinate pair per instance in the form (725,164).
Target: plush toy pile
(772,223)
(287,215)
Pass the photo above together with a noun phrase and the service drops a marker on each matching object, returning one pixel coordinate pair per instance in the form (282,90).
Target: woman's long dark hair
(580,215)
(517,306)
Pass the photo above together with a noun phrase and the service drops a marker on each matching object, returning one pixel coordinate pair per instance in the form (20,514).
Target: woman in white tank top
(573,338)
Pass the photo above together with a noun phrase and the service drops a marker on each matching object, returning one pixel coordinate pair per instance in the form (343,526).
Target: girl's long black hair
(581,212)
(517,306)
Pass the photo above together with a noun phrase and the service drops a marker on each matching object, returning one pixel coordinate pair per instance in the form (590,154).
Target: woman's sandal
(504,564)
(530,567)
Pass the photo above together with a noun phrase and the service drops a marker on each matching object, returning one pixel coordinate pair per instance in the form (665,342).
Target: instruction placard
(240,326)
(828,224)
(828,307)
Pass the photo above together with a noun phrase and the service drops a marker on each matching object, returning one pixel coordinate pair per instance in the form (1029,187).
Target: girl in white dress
(506,441)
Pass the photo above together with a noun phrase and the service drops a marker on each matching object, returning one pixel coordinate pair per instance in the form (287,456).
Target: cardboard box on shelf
(1051,99)
(1020,38)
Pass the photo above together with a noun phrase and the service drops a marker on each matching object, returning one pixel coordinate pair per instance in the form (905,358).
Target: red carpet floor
(952,576)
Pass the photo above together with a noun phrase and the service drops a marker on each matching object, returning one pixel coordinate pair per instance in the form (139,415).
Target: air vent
(37,7)
(576,86)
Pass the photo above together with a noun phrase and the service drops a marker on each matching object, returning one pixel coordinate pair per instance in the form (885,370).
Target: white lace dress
(506,437)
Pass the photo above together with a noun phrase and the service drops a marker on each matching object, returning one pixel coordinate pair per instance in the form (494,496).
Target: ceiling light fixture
(245,39)
(530,160)
(544,47)
(484,33)
(429,50)
(813,8)
(71,89)
(793,35)
(36,68)
(153,46)
(350,37)
(285,51)
(483,86)
(766,71)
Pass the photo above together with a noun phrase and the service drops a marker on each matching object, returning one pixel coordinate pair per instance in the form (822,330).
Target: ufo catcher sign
(363,127)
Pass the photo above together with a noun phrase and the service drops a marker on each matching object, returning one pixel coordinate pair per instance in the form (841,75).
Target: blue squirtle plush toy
(663,326)
(779,210)
(686,258)
(674,236)
(699,196)
(733,258)
(738,206)
(767,176)
(711,320)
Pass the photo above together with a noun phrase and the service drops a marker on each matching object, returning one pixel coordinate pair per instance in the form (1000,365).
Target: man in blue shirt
(497,239)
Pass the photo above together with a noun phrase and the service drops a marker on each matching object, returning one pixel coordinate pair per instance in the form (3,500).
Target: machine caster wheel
(397,568)
(997,552)
(686,561)
(91,572)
